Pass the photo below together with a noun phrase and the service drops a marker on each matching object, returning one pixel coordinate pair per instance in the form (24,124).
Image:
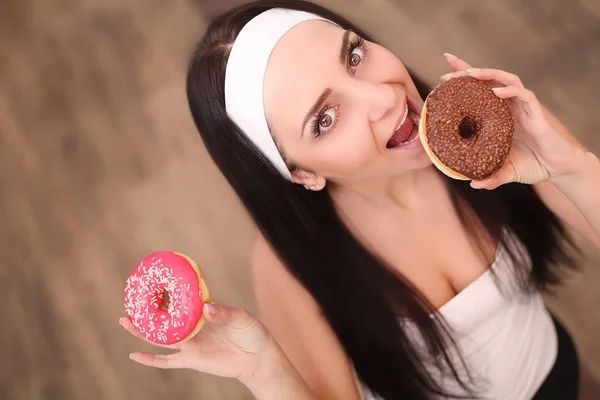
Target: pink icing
(159,272)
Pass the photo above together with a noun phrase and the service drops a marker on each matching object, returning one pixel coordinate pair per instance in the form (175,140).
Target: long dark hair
(309,237)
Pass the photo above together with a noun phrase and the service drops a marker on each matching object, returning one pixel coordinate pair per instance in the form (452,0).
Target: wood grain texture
(100,164)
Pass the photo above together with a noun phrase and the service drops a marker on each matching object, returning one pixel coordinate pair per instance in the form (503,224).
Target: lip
(402,116)
(414,108)
(407,105)
(416,144)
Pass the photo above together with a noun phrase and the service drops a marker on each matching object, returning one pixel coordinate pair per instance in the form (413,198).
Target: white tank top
(508,343)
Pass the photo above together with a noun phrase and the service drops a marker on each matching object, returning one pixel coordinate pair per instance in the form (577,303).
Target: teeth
(414,117)
(411,140)
(415,132)
(403,118)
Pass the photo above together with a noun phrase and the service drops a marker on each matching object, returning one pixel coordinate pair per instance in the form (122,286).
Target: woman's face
(334,103)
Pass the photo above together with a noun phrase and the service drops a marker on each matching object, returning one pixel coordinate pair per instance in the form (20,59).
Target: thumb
(504,175)
(233,317)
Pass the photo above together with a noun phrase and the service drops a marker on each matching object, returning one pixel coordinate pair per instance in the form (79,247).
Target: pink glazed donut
(164,297)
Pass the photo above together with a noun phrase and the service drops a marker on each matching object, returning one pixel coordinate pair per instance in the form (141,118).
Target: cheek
(384,66)
(344,153)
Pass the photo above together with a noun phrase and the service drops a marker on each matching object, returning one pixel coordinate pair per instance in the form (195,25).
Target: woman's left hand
(539,152)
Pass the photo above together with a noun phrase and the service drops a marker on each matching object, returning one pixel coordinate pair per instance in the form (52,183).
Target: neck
(401,192)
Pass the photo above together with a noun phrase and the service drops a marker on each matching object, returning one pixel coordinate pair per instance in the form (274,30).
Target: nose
(378,98)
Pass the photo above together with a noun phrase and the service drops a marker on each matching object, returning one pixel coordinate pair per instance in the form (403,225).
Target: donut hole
(165,300)
(467,128)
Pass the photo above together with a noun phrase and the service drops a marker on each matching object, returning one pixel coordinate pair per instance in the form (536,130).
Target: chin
(424,161)
(418,162)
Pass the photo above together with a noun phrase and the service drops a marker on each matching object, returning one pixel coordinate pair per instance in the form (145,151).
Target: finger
(236,318)
(502,77)
(533,106)
(507,92)
(163,361)
(464,72)
(129,327)
(456,63)
(504,175)
(126,323)
(488,74)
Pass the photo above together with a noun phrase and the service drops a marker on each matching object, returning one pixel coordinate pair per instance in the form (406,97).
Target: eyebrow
(318,104)
(327,92)
(344,48)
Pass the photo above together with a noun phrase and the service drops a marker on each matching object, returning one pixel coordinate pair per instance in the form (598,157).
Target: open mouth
(407,130)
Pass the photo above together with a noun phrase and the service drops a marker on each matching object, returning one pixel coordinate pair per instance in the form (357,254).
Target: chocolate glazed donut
(466,129)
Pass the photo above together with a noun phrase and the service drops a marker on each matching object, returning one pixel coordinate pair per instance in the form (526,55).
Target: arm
(582,188)
(573,199)
(278,379)
(295,320)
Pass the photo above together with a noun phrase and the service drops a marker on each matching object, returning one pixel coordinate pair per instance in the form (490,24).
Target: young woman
(376,275)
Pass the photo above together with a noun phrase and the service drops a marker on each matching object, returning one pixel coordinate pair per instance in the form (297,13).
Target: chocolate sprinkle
(466,100)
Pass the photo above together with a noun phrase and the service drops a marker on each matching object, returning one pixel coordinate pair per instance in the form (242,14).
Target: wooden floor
(100,164)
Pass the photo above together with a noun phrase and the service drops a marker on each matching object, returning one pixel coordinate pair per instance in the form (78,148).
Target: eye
(357,51)
(356,57)
(325,121)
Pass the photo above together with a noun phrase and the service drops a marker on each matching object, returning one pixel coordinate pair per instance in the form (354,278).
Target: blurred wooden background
(100,164)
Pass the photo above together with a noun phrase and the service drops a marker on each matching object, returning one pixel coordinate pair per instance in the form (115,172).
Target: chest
(432,250)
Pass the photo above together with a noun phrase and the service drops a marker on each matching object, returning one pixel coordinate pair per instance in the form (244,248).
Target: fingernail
(497,89)
(121,321)
(447,76)
(473,70)
(449,55)
(211,309)
(131,356)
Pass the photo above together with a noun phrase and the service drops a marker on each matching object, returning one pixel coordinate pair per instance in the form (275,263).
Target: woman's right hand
(232,344)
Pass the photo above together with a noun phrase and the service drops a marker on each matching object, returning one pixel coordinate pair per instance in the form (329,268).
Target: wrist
(584,164)
(275,377)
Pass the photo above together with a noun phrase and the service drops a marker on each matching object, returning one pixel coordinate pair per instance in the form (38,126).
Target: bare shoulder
(277,291)
(268,271)
(294,318)
(264,258)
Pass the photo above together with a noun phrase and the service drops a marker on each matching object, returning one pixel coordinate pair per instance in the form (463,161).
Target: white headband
(245,75)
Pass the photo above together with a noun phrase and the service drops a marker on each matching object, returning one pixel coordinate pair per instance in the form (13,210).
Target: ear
(309,180)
